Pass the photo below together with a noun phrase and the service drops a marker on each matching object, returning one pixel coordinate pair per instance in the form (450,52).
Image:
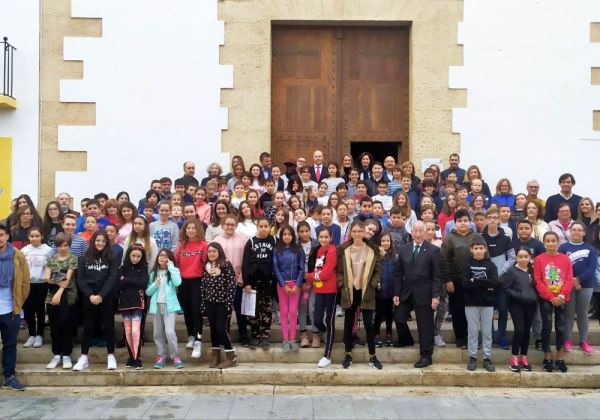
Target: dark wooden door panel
(375,84)
(304,93)
(333,86)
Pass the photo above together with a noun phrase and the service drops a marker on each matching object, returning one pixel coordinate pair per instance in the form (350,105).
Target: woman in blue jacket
(288,265)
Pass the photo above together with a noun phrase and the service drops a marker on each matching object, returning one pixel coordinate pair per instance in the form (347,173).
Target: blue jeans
(9,329)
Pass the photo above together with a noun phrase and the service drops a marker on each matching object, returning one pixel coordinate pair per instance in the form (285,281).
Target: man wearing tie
(317,172)
(419,284)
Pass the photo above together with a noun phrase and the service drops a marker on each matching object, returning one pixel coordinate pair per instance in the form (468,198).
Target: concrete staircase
(275,367)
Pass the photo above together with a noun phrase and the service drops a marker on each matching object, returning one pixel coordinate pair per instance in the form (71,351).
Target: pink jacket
(233,246)
(203,212)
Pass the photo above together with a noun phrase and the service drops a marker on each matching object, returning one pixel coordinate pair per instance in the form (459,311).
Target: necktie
(415,252)
(318,172)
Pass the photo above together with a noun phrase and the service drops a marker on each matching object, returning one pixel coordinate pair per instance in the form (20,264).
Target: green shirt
(58,272)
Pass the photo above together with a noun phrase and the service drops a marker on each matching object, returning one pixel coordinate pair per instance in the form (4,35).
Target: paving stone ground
(270,402)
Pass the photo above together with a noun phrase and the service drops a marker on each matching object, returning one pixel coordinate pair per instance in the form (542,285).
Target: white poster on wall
(427,162)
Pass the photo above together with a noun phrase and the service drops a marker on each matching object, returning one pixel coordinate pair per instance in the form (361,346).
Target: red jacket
(553,276)
(191,259)
(324,269)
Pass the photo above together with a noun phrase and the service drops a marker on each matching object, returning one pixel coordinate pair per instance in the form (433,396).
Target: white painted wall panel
(20,22)
(527,70)
(156,81)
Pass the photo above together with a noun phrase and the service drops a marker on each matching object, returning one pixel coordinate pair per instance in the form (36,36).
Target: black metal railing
(8,52)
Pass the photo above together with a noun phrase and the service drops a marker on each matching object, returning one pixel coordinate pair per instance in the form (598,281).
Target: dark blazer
(420,279)
(313,175)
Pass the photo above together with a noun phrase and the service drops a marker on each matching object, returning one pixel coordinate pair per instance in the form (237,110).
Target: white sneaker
(38,341)
(111,362)
(67,363)
(53,363)
(82,363)
(190,343)
(29,342)
(324,362)
(338,311)
(197,352)
(439,341)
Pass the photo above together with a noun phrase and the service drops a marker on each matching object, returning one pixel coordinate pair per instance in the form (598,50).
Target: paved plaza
(268,402)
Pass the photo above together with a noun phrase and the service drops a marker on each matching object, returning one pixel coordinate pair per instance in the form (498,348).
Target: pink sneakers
(586,347)
(568,345)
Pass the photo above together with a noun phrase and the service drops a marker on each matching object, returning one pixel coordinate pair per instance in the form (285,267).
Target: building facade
(111,94)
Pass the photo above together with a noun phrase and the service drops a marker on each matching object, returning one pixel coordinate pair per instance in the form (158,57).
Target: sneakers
(159,362)
(488,365)
(197,349)
(190,343)
(514,364)
(286,346)
(561,365)
(38,341)
(129,363)
(389,342)
(339,311)
(439,341)
(12,384)
(548,365)
(524,364)
(294,346)
(304,343)
(67,363)
(82,363)
(316,340)
(347,363)
(29,342)
(111,362)
(53,362)
(375,363)
(324,362)
(568,345)
(472,365)
(586,347)
(137,364)
(178,363)
(538,345)
(378,342)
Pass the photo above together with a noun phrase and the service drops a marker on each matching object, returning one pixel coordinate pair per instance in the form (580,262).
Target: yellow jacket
(20,282)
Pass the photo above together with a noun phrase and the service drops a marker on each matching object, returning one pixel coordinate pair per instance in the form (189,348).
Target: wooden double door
(332,86)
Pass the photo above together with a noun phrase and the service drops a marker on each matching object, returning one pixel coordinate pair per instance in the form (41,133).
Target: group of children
(304,248)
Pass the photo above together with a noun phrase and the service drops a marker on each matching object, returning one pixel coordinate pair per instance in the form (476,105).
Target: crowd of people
(368,241)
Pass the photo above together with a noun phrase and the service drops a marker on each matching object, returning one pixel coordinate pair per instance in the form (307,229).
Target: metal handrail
(7,68)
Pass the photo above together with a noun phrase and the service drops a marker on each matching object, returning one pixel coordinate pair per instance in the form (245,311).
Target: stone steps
(302,374)
(275,354)
(446,331)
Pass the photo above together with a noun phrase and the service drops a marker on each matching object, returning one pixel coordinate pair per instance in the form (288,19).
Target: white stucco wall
(20,22)
(527,67)
(155,79)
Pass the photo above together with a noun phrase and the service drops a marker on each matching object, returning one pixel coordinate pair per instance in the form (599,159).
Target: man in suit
(419,284)
(318,172)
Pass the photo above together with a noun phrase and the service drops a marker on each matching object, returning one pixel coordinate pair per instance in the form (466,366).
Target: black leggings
(218,318)
(189,295)
(546,310)
(61,327)
(457,307)
(367,315)
(105,311)
(384,310)
(325,304)
(35,308)
(522,316)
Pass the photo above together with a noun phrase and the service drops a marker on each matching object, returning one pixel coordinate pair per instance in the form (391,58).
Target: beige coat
(371,276)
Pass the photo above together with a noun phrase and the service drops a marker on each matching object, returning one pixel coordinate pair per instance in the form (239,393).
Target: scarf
(7,266)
